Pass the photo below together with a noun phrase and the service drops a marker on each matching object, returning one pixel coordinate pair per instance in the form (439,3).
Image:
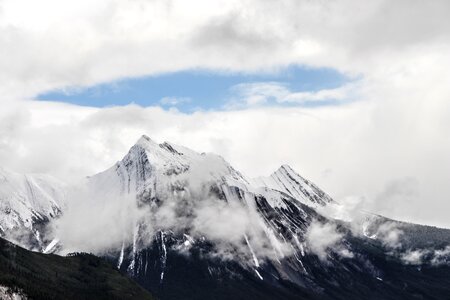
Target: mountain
(27,204)
(30,275)
(208,230)
(187,225)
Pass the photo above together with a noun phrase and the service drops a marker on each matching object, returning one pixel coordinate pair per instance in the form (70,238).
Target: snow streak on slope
(27,202)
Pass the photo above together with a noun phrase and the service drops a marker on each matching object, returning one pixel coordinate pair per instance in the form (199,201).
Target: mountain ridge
(170,209)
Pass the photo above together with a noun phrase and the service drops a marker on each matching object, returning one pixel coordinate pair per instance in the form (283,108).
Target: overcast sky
(354,95)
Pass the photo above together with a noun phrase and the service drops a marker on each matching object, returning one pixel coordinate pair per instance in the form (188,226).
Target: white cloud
(323,238)
(174,101)
(435,257)
(96,223)
(413,257)
(441,256)
(390,234)
(257,93)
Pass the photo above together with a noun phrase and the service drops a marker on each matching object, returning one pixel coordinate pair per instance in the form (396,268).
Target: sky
(353,95)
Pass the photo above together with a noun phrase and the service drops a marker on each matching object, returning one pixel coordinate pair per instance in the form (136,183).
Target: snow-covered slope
(149,167)
(27,203)
(286,180)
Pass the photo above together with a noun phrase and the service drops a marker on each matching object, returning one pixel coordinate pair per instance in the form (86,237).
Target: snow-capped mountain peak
(173,159)
(149,165)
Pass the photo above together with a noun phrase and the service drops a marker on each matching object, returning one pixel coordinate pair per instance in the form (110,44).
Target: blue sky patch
(194,90)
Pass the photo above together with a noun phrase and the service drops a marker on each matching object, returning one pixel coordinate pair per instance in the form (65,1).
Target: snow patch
(51,246)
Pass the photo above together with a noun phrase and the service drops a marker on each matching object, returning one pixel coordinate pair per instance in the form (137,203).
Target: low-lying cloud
(435,257)
(100,220)
(96,223)
(389,234)
(413,257)
(441,256)
(323,238)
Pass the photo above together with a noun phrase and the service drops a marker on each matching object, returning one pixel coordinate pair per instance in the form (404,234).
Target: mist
(99,221)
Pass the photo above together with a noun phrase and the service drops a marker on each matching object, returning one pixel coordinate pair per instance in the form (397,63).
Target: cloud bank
(116,39)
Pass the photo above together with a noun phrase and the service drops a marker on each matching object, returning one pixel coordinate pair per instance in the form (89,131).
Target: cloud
(96,223)
(323,238)
(436,257)
(91,44)
(441,256)
(390,234)
(405,189)
(174,101)
(349,209)
(257,93)
(413,257)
